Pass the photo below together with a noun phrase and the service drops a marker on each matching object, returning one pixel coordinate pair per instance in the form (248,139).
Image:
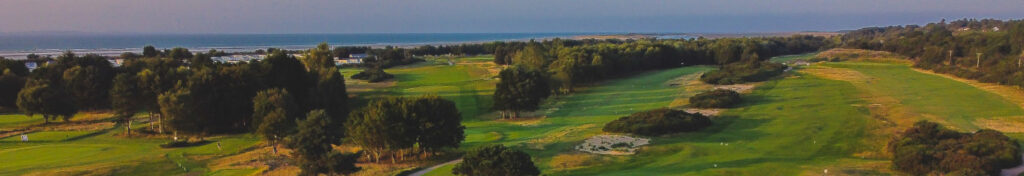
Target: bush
(738,73)
(373,75)
(658,122)
(496,160)
(718,98)
(928,148)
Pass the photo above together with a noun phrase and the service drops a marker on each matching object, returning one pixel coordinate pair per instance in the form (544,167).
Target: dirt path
(427,170)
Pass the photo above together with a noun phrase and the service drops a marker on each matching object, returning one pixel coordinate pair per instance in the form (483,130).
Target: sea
(19,45)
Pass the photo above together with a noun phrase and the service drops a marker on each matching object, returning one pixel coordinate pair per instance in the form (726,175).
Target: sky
(483,16)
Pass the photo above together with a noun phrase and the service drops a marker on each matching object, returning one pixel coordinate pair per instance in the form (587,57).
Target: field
(834,116)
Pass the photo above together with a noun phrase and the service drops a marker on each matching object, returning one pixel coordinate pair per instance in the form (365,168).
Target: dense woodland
(985,50)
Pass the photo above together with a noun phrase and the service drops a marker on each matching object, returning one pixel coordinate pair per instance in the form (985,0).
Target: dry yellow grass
(845,54)
(574,160)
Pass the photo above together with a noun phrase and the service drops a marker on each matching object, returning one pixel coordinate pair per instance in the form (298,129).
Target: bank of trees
(520,88)
(743,72)
(396,127)
(496,160)
(373,74)
(985,50)
(718,98)
(928,149)
(658,122)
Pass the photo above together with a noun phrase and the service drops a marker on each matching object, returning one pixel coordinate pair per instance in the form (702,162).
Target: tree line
(985,50)
(540,69)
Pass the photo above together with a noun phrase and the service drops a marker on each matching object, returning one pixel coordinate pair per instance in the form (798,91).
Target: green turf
(956,102)
(788,58)
(48,136)
(16,120)
(441,171)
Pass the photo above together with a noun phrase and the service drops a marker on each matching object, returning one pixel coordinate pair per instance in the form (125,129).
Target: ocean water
(13,45)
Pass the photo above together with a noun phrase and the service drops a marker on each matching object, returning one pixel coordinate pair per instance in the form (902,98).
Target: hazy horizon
(486,16)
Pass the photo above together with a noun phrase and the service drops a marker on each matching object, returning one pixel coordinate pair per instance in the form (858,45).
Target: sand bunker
(612,144)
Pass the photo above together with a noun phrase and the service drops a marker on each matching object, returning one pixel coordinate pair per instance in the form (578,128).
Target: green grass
(441,171)
(50,150)
(48,136)
(788,58)
(958,103)
(17,120)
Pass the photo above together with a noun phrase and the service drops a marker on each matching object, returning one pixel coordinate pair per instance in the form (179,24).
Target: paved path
(1013,171)
(424,171)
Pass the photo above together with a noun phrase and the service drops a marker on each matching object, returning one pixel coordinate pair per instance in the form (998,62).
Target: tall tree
(10,85)
(328,93)
(319,57)
(440,123)
(520,89)
(125,98)
(274,114)
(177,105)
(382,126)
(282,70)
(313,146)
(43,97)
(496,160)
(150,51)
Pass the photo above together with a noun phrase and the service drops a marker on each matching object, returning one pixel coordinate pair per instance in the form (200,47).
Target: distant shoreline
(21,54)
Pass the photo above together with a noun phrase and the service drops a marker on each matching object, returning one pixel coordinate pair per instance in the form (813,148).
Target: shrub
(373,75)
(737,73)
(928,148)
(658,122)
(496,160)
(718,98)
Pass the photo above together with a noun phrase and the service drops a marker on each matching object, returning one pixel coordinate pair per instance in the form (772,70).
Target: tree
(177,105)
(179,53)
(533,55)
(520,89)
(43,97)
(10,85)
(382,126)
(150,51)
(15,67)
(284,71)
(440,123)
(313,146)
(274,114)
(125,98)
(496,160)
(319,57)
(328,93)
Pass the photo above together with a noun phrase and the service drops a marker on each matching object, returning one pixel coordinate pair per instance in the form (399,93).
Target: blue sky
(474,16)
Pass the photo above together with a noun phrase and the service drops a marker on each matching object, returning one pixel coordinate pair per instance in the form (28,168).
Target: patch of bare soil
(705,112)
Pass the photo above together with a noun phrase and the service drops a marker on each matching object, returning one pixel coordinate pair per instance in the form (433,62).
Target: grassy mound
(927,148)
(718,98)
(373,75)
(658,122)
(738,73)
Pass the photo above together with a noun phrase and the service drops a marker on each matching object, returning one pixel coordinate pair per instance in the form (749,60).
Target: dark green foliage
(320,57)
(392,124)
(927,148)
(718,98)
(439,121)
(373,75)
(389,57)
(282,70)
(313,150)
(520,89)
(743,72)
(178,53)
(934,47)
(48,99)
(13,66)
(150,51)
(125,95)
(328,93)
(274,114)
(10,85)
(658,122)
(496,160)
